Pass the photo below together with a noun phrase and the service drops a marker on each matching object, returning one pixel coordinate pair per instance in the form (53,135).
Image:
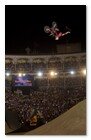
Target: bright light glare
(52,73)
(7,74)
(20,74)
(23,74)
(56,73)
(72,72)
(39,74)
(84,71)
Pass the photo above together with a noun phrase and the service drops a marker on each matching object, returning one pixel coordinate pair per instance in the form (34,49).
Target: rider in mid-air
(54,31)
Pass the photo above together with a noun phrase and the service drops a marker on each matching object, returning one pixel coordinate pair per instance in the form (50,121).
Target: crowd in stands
(82,62)
(55,63)
(10,66)
(52,96)
(83,81)
(72,81)
(23,67)
(51,103)
(68,63)
(71,63)
(38,66)
(61,82)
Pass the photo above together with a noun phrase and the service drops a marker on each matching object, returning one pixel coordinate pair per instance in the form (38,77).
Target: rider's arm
(65,33)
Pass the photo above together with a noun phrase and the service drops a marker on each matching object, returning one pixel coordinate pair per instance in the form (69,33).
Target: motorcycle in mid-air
(55,32)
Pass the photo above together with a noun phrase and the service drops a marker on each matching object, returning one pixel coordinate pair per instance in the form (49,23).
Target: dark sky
(24,26)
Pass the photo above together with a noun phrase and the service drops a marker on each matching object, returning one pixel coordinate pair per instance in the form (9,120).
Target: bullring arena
(45,94)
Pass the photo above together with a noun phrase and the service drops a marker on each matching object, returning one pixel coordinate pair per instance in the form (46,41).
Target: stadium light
(20,74)
(23,74)
(84,71)
(52,73)
(40,74)
(7,74)
(72,72)
(56,73)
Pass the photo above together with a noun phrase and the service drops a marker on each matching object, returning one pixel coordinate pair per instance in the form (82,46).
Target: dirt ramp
(73,122)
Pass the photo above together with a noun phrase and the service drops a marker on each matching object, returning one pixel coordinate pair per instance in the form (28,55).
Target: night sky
(24,27)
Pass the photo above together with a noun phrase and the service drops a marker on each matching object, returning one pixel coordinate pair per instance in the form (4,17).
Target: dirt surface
(7,129)
(72,122)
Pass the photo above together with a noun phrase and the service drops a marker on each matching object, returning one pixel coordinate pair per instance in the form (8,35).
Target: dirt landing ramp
(73,122)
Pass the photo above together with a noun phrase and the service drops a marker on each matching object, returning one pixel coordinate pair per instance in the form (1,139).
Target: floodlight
(84,71)
(7,74)
(52,73)
(72,72)
(40,74)
(23,74)
(20,74)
